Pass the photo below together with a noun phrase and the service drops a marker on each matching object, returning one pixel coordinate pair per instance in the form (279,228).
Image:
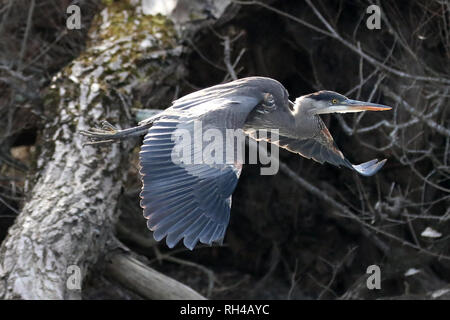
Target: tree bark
(71,209)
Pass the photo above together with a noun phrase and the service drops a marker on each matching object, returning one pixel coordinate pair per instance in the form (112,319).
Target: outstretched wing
(190,200)
(322,148)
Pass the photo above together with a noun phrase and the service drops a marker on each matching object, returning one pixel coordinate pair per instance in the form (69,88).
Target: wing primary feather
(369,168)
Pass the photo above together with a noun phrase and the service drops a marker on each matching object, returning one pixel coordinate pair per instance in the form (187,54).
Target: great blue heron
(193,201)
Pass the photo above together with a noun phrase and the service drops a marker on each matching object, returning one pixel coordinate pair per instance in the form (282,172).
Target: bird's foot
(106,135)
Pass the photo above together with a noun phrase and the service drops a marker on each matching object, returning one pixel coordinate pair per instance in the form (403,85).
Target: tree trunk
(72,207)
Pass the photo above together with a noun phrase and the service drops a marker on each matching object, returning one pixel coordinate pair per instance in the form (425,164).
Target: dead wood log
(145,281)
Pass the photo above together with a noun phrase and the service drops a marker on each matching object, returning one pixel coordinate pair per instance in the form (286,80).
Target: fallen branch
(146,281)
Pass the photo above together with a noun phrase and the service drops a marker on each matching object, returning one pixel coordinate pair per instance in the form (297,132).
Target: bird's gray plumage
(191,200)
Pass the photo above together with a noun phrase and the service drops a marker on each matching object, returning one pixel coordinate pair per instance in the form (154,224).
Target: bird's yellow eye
(334,101)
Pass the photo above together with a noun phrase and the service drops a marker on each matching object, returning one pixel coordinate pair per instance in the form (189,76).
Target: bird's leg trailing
(108,133)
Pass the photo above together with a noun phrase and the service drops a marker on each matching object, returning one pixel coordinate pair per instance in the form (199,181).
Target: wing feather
(190,201)
(322,148)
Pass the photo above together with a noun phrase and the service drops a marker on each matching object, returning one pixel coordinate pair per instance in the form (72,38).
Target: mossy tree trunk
(72,206)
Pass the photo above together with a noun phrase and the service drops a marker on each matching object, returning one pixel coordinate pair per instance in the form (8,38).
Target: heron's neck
(306,123)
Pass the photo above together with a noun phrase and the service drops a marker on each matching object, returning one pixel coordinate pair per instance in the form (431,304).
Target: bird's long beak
(353,106)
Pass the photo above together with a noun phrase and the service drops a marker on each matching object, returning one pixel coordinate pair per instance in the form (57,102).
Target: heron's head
(332,102)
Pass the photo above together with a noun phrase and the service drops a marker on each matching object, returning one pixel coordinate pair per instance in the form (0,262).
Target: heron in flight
(193,201)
